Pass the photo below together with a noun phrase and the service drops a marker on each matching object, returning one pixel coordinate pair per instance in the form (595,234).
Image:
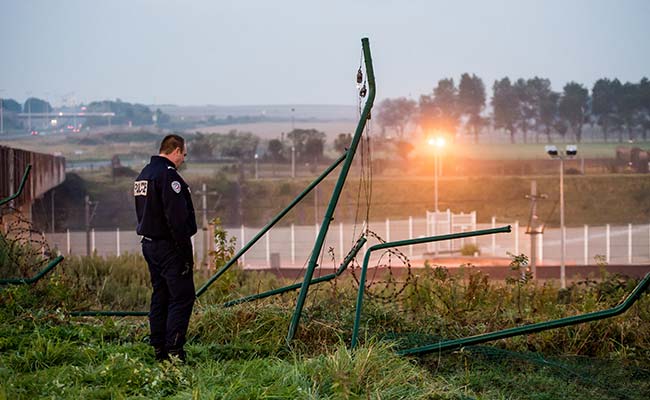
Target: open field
(130,143)
(240,352)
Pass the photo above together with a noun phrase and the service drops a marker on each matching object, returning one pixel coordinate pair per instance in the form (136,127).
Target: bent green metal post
(20,187)
(28,281)
(336,193)
(268,226)
(537,327)
(387,245)
(348,259)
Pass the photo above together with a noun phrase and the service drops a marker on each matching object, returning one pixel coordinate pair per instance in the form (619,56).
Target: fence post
(293,244)
(341,239)
(540,252)
(410,235)
(517,238)
(607,243)
(387,230)
(92,241)
(243,241)
(629,243)
(494,237)
(586,240)
(268,248)
(67,238)
(117,240)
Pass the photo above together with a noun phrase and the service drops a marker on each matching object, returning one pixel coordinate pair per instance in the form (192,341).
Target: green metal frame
(20,187)
(533,328)
(50,266)
(268,226)
(348,259)
(336,193)
(388,245)
(28,281)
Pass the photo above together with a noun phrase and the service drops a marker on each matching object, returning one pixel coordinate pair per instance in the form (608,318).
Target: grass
(240,352)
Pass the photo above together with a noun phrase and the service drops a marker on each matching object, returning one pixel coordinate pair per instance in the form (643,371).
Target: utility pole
(206,232)
(535,227)
(89,217)
(87,204)
(293,146)
(2,126)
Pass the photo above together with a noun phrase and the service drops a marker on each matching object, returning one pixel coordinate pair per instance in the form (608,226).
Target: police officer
(166,223)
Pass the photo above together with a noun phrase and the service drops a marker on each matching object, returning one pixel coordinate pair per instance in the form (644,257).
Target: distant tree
(300,137)
(342,142)
(573,107)
(35,105)
(605,104)
(527,107)
(505,107)
(549,104)
(239,145)
(10,110)
(644,98)
(404,149)
(471,101)
(630,108)
(136,114)
(395,113)
(314,147)
(439,112)
(162,118)
(545,105)
(275,150)
(201,147)
(11,105)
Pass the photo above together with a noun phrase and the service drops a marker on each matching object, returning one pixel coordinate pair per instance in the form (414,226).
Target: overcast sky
(242,52)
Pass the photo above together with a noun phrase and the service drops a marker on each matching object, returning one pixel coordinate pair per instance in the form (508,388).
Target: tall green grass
(241,353)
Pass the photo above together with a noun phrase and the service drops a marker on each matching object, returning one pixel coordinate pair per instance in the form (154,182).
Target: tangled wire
(23,249)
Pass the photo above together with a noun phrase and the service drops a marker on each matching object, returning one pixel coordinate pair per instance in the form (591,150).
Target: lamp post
(256,169)
(437,143)
(293,145)
(570,152)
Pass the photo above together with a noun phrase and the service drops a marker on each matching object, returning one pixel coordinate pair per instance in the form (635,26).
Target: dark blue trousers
(173,293)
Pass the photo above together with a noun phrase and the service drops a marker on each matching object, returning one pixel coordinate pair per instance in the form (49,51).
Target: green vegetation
(240,352)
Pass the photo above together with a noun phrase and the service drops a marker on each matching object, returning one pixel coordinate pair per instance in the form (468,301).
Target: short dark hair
(170,143)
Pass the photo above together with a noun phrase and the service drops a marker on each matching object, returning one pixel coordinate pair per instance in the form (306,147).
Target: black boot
(178,353)
(161,354)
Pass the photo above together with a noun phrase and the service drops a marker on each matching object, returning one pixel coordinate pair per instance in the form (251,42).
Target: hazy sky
(305,51)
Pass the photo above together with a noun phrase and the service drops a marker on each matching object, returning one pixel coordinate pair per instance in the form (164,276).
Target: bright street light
(570,152)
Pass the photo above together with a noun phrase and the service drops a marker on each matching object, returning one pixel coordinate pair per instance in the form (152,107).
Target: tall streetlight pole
(570,152)
(293,145)
(2,127)
(438,143)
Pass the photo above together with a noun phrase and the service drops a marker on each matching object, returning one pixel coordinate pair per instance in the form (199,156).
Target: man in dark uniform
(166,223)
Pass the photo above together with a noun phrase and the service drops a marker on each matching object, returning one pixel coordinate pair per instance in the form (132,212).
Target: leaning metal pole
(268,226)
(318,245)
(454,344)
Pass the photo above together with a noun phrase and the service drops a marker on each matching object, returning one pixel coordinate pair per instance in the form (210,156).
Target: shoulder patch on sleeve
(140,188)
(176,186)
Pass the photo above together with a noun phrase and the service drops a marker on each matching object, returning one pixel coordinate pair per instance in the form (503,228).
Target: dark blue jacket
(163,204)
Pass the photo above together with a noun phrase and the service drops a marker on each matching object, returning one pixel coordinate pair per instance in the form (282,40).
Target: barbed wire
(24,248)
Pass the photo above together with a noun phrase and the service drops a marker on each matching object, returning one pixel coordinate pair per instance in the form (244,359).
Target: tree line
(125,113)
(525,107)
(307,145)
